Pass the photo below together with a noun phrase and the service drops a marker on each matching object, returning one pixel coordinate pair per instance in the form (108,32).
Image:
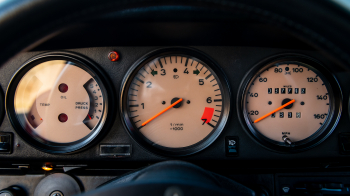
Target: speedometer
(290,104)
(175,101)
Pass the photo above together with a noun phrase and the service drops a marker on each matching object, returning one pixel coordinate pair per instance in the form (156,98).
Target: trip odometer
(174,102)
(289,104)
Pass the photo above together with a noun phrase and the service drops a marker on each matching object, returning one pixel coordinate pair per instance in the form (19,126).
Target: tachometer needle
(276,110)
(166,109)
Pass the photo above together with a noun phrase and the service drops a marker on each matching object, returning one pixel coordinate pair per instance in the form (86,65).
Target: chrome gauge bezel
(139,137)
(322,133)
(62,148)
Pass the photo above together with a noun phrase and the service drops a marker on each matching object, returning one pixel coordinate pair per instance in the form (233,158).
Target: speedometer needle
(275,110)
(166,109)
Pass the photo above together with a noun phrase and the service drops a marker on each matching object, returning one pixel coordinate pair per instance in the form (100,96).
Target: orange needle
(166,109)
(276,110)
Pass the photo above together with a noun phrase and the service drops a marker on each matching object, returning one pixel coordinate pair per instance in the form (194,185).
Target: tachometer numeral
(149,84)
(186,71)
(209,100)
(163,72)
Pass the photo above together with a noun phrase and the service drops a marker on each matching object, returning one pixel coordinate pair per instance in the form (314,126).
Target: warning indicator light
(113,56)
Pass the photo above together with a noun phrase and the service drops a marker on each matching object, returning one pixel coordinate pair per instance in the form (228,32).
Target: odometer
(289,103)
(174,102)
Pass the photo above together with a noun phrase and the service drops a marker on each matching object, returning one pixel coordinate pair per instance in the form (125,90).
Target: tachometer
(291,104)
(57,103)
(175,102)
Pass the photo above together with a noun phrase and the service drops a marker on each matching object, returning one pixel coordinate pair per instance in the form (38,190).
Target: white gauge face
(58,102)
(287,100)
(175,101)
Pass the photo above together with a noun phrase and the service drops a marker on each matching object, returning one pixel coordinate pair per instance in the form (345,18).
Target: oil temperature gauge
(57,103)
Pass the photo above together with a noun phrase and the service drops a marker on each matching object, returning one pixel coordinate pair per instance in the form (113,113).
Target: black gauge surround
(96,134)
(2,106)
(326,128)
(161,55)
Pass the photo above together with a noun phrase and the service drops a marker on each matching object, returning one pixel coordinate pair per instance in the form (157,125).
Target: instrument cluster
(173,101)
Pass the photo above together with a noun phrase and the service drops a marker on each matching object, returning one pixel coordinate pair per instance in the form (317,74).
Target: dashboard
(250,101)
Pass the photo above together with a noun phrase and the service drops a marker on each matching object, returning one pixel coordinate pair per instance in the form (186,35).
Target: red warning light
(63,88)
(113,56)
(63,117)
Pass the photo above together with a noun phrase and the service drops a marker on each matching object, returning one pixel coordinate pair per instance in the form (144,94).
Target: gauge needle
(276,110)
(166,109)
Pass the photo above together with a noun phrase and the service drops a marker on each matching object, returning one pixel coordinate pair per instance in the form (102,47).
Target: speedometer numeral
(262,79)
(253,94)
(320,116)
(256,112)
(310,79)
(298,70)
(322,97)
(278,70)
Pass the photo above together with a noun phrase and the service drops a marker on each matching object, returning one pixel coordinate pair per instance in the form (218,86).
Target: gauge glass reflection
(57,101)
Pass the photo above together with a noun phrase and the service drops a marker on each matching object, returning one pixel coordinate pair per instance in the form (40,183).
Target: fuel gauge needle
(166,109)
(274,111)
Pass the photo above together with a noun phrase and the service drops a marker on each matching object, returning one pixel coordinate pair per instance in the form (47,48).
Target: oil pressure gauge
(175,101)
(57,103)
(291,103)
